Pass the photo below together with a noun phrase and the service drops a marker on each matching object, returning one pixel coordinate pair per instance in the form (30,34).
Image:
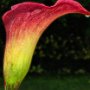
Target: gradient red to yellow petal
(24,24)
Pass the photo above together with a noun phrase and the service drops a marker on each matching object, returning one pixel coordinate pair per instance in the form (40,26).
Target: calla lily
(24,25)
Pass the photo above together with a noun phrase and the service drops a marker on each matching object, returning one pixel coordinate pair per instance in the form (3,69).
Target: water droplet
(87,16)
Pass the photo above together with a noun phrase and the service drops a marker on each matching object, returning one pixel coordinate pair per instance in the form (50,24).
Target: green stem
(11,87)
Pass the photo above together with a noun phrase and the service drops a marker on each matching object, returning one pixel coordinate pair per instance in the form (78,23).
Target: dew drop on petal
(87,16)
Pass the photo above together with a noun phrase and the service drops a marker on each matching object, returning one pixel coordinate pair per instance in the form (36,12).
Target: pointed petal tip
(76,7)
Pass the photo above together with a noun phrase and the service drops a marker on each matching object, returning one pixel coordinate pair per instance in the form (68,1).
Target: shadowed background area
(62,56)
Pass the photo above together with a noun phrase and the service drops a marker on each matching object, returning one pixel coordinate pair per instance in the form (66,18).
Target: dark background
(64,48)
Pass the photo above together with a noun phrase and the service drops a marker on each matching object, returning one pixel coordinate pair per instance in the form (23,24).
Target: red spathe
(30,16)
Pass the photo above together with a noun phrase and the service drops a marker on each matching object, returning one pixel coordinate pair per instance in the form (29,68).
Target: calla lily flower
(24,25)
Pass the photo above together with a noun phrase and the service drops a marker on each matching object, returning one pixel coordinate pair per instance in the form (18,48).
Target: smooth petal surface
(24,24)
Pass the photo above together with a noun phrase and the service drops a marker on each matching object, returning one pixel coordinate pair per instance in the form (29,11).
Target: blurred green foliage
(50,82)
